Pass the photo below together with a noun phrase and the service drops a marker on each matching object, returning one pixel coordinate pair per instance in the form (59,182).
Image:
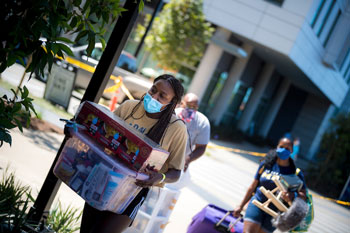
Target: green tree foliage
(29,20)
(35,31)
(14,111)
(179,34)
(332,170)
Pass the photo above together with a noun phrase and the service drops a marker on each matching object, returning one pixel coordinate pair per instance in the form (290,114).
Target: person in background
(276,162)
(198,128)
(296,149)
(154,116)
(288,135)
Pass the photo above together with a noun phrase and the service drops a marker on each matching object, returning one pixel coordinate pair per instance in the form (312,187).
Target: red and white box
(119,138)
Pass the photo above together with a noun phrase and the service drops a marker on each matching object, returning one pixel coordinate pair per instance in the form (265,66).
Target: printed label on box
(136,149)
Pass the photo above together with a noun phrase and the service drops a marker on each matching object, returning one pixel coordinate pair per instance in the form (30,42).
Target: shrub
(332,164)
(15,200)
(64,220)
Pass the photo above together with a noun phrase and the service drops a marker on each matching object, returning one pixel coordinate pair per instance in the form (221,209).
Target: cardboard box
(99,179)
(112,132)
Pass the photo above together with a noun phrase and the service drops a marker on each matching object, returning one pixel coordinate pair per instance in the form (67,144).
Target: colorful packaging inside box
(99,179)
(136,149)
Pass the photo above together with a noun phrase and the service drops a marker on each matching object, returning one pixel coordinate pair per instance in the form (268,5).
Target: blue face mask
(283,153)
(151,105)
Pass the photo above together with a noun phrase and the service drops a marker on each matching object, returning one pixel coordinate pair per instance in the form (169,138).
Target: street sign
(60,84)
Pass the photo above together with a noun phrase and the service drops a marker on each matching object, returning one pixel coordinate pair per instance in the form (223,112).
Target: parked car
(125,67)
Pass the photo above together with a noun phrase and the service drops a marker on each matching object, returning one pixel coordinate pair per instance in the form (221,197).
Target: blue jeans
(256,215)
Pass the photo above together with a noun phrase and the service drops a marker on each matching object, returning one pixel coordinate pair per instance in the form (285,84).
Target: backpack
(305,224)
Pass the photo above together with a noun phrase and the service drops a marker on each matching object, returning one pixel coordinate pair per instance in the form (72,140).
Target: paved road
(220,178)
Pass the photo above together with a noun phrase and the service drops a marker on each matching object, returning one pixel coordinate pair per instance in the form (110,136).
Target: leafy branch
(179,34)
(53,24)
(14,111)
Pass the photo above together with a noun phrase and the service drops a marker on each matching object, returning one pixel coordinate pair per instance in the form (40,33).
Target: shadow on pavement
(246,146)
(211,199)
(44,140)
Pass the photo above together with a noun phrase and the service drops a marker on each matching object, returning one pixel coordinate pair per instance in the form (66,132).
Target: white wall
(284,29)
(267,24)
(307,54)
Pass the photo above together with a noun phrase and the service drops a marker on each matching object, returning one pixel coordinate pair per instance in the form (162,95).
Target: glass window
(325,18)
(217,90)
(347,72)
(345,61)
(332,28)
(238,101)
(317,14)
(216,83)
(259,115)
(96,53)
(127,62)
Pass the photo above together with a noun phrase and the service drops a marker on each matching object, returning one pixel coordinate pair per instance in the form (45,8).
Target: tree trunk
(24,74)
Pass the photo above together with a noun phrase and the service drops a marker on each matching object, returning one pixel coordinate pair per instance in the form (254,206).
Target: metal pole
(93,92)
(344,189)
(156,9)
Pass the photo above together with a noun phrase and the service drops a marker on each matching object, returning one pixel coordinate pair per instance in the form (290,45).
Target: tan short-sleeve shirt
(174,138)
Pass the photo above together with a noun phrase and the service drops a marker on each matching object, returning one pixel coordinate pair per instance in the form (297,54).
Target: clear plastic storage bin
(101,180)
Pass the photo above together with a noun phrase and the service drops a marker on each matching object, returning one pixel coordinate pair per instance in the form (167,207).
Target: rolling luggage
(213,219)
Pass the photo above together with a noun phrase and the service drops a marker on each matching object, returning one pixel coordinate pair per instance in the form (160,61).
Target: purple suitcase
(206,221)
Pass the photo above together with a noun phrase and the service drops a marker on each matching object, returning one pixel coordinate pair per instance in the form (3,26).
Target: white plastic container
(101,180)
(155,212)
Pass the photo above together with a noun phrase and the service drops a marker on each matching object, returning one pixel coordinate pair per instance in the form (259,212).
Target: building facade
(275,66)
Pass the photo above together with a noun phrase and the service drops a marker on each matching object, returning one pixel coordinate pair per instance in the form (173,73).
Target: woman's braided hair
(157,131)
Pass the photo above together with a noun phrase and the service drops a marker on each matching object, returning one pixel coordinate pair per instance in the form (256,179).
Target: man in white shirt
(198,127)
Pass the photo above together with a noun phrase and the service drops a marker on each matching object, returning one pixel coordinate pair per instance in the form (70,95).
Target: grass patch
(51,107)
(42,103)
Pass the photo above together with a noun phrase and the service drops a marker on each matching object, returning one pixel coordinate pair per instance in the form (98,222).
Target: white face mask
(152,105)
